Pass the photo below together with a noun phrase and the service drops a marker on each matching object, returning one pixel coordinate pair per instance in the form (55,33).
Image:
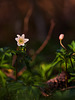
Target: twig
(42,91)
(72,87)
(21,71)
(46,40)
(11,75)
(14,59)
(26,19)
(73,54)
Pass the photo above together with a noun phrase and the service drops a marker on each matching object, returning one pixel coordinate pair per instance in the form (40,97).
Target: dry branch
(46,40)
(71,87)
(26,19)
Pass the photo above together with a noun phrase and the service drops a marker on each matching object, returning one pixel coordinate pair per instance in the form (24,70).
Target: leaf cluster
(27,85)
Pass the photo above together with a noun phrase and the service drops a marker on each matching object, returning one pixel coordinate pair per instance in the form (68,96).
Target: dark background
(33,17)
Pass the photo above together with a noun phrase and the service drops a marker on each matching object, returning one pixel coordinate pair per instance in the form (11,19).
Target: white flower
(21,40)
(61,36)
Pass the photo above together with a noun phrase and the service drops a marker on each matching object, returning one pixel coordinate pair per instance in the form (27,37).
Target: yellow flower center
(21,41)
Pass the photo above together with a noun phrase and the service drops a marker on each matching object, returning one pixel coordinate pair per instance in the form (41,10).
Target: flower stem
(16,70)
(66,75)
(66,65)
(71,63)
(62,45)
(16,73)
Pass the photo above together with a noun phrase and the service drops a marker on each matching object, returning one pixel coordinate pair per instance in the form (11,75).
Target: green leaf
(2,77)
(72,46)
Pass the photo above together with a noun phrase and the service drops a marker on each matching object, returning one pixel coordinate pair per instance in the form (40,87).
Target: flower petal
(26,40)
(16,39)
(18,44)
(23,36)
(22,44)
(18,35)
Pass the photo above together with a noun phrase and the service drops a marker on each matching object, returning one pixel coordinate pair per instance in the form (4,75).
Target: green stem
(71,63)
(66,75)
(16,65)
(66,65)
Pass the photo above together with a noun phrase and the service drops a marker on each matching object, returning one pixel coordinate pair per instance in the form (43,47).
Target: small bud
(61,36)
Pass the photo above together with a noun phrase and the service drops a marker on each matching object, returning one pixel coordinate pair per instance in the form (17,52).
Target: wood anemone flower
(21,40)
(61,36)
